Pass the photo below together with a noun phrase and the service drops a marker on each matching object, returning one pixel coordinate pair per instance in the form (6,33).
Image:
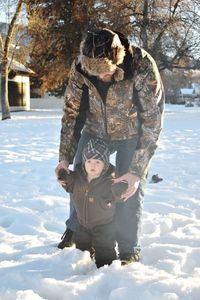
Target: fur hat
(96,149)
(101,52)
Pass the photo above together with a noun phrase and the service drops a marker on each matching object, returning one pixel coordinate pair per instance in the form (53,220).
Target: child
(94,196)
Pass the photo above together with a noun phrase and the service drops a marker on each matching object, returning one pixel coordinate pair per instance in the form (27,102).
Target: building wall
(19,93)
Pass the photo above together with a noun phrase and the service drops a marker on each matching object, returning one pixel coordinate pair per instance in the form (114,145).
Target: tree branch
(11,28)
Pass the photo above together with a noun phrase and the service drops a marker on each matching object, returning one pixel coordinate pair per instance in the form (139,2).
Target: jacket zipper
(85,206)
(103,108)
(104,116)
(86,200)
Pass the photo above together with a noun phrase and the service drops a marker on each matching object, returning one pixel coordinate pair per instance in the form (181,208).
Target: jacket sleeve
(71,108)
(148,95)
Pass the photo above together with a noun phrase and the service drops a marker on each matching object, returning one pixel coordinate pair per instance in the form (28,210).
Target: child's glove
(118,189)
(68,178)
(62,174)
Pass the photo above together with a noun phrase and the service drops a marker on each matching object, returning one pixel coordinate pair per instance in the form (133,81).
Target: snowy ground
(33,208)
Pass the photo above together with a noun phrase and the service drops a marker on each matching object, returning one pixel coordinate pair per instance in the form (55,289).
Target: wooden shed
(19,87)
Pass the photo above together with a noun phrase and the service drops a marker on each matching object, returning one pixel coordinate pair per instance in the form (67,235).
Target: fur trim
(95,66)
(119,74)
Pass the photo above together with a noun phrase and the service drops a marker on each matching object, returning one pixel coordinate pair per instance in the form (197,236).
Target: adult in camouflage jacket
(115,93)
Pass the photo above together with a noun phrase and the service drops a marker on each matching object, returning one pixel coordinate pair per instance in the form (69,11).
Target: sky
(33,210)
(7,10)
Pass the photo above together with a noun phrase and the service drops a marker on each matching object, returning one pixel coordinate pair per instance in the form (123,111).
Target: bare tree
(168,29)
(5,44)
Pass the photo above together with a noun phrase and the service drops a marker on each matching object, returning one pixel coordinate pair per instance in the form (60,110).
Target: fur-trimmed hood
(101,52)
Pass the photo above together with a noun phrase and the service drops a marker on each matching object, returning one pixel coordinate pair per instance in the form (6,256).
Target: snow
(33,209)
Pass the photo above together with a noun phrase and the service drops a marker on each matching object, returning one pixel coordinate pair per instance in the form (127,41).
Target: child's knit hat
(96,149)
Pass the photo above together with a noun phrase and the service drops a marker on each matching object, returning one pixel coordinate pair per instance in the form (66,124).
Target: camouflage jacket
(133,107)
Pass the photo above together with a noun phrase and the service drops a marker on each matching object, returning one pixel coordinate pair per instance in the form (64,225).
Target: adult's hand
(63,164)
(133,184)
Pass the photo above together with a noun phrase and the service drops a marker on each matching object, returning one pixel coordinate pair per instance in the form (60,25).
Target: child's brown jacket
(94,201)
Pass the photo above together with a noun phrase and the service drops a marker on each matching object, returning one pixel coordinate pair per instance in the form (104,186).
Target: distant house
(196,87)
(188,93)
(192,92)
(190,96)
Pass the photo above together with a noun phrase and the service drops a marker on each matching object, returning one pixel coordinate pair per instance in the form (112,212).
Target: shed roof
(19,67)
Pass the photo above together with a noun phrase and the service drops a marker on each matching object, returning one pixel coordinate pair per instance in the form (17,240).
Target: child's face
(94,167)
